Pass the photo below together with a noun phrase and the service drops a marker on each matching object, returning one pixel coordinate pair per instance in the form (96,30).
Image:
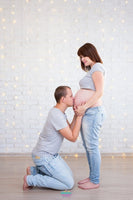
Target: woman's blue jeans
(90,130)
(51,171)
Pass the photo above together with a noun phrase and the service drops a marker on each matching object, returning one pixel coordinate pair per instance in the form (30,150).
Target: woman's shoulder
(98,67)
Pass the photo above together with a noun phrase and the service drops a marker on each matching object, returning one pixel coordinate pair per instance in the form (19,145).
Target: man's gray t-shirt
(50,139)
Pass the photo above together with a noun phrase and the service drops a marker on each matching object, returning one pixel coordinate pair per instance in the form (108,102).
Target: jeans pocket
(99,120)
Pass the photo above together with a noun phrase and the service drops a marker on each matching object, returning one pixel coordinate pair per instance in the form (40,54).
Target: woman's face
(87,61)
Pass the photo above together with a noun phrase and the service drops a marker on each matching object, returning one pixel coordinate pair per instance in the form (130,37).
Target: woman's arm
(98,80)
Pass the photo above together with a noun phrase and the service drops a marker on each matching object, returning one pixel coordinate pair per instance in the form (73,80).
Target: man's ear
(62,99)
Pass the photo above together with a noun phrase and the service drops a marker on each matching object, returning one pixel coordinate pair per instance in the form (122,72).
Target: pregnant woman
(88,100)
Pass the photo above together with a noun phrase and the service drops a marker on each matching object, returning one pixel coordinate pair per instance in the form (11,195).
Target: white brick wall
(39,40)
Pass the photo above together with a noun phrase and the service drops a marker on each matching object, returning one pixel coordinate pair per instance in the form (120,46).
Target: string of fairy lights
(13,68)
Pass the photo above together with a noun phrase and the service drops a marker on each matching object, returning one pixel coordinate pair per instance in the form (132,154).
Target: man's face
(69,98)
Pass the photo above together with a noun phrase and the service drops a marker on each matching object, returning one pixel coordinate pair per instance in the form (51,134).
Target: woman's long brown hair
(90,51)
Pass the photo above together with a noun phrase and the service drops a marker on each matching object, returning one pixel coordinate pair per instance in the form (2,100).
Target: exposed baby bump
(82,96)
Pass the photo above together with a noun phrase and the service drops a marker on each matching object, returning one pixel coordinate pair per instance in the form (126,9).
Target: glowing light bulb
(123,155)
(3,94)
(112,38)
(13,13)
(6,84)
(2,47)
(13,67)
(125,139)
(79,9)
(3,20)
(2,56)
(76,156)
(14,21)
(125,114)
(99,21)
(15,97)
(76,20)
(15,86)
(3,110)
(112,157)
(122,21)
(13,123)
(111,19)
(16,78)
(112,117)
(7,124)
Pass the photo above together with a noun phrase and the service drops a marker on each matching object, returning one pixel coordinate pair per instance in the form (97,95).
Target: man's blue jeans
(51,171)
(90,129)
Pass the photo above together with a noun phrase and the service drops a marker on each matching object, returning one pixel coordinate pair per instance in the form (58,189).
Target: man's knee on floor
(70,183)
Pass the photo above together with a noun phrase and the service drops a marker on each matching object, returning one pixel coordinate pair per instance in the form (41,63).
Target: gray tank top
(87,82)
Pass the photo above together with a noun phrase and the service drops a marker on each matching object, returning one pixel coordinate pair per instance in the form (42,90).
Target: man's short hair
(60,91)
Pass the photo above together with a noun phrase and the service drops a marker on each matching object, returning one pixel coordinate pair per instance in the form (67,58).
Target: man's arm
(71,132)
(72,123)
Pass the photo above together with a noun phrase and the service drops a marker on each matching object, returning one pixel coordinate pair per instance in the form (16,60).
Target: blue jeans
(51,171)
(90,129)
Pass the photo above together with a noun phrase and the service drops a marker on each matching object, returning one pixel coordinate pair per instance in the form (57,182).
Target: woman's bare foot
(89,185)
(84,181)
(28,171)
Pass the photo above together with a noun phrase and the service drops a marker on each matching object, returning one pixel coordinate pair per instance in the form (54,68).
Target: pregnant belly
(83,95)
